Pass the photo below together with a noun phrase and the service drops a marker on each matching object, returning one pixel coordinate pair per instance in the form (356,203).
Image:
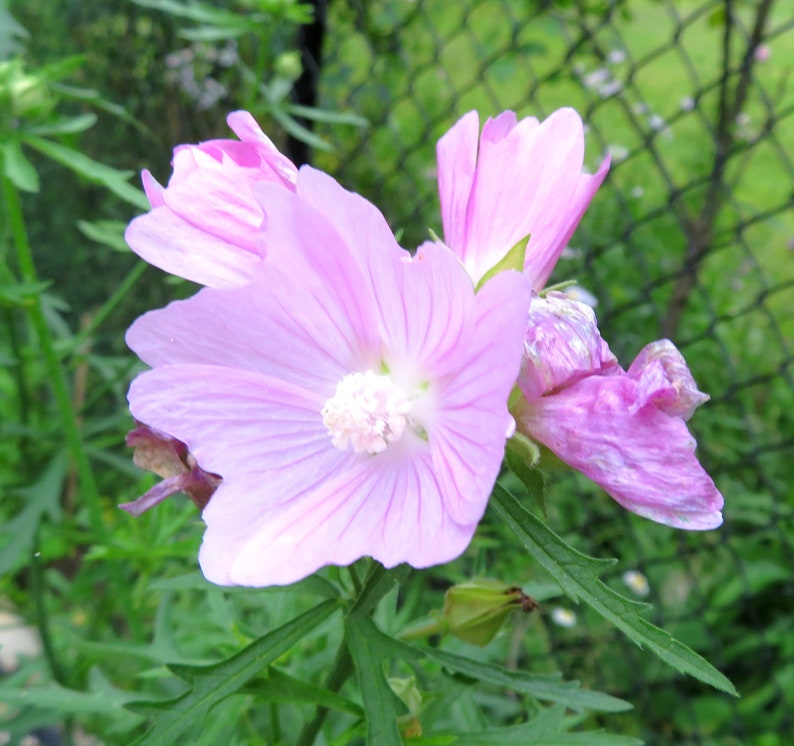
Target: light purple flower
(204,225)
(625,430)
(516,179)
(352,398)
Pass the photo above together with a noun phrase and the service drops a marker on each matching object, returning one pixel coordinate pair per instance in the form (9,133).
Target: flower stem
(55,372)
(378,583)
(340,672)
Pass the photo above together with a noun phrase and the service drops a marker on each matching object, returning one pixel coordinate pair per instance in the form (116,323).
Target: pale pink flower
(203,226)
(352,398)
(516,179)
(625,430)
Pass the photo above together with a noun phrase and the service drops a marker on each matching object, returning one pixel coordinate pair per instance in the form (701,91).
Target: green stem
(378,583)
(35,576)
(341,671)
(424,629)
(55,371)
(108,306)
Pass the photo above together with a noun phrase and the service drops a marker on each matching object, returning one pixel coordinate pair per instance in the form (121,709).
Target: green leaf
(297,130)
(101,698)
(526,733)
(212,684)
(279,687)
(328,117)
(109,233)
(368,647)
(578,574)
(64,125)
(17,168)
(543,687)
(41,498)
(111,178)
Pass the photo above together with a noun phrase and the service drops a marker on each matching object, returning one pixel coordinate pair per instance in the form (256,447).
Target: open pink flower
(624,430)
(352,398)
(517,179)
(204,225)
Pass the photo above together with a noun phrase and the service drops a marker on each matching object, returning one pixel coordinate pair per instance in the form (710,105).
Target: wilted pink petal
(352,397)
(168,458)
(626,432)
(521,179)
(562,346)
(204,225)
(640,455)
(665,379)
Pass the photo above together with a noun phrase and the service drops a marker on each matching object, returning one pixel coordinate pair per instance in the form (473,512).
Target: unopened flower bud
(475,611)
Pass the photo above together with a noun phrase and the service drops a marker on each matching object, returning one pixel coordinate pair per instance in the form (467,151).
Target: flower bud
(475,611)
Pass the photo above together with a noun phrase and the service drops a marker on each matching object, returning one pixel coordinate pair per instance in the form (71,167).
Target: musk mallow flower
(204,225)
(625,430)
(352,398)
(517,179)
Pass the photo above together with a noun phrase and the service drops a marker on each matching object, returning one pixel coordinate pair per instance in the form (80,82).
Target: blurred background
(691,237)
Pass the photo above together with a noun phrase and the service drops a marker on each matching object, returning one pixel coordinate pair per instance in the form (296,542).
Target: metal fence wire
(691,237)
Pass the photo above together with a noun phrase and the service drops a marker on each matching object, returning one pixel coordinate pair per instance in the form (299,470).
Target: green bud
(289,66)
(25,95)
(475,611)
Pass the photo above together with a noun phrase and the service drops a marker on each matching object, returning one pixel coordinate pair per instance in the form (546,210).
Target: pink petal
(665,379)
(467,437)
(305,323)
(390,511)
(205,223)
(238,422)
(153,189)
(457,163)
(562,346)
(643,458)
(543,253)
(169,242)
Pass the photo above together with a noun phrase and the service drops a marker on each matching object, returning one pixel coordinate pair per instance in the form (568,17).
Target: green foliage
(119,604)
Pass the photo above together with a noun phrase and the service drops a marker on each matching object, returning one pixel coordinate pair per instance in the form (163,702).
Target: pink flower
(517,179)
(624,430)
(352,398)
(204,225)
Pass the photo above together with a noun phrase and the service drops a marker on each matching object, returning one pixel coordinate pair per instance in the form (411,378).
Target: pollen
(367,413)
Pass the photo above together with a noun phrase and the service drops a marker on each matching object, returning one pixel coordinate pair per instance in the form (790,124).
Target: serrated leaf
(212,684)
(113,179)
(369,646)
(543,687)
(578,575)
(17,168)
(280,687)
(52,696)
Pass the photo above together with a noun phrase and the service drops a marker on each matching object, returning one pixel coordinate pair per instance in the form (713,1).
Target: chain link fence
(691,237)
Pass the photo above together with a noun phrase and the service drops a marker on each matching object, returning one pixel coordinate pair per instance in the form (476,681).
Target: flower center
(367,412)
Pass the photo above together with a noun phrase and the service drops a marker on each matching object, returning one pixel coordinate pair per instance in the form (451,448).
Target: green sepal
(513,259)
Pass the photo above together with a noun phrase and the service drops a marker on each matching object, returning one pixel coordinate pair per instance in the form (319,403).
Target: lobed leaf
(212,684)
(578,574)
